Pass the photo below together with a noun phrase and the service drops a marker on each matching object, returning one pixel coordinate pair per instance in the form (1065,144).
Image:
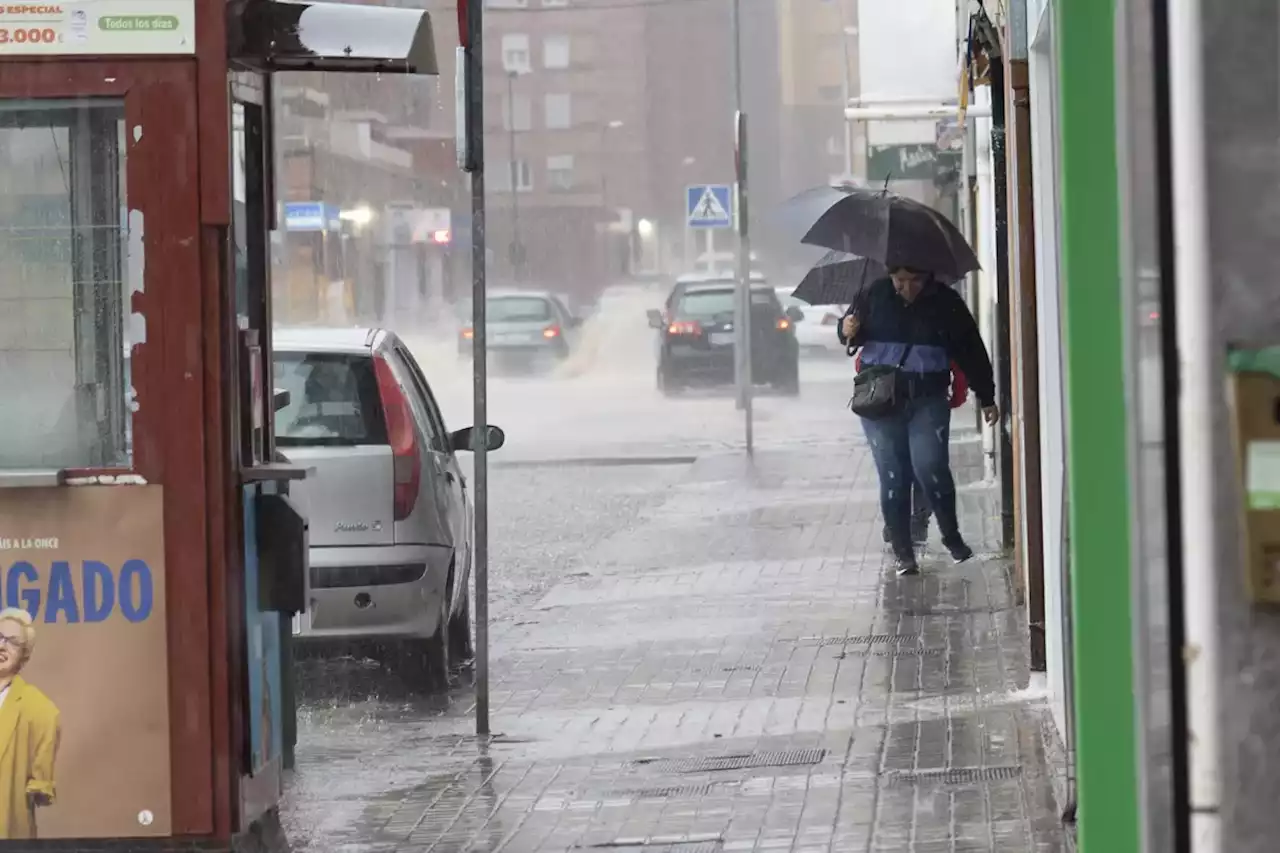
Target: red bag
(959,385)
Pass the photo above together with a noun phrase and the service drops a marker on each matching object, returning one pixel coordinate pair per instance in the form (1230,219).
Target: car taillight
(685,328)
(468,333)
(784,323)
(551,332)
(403,438)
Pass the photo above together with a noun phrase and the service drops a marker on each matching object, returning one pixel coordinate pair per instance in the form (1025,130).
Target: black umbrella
(837,278)
(883,226)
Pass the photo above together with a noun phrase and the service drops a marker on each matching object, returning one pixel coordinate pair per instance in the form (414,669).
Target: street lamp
(517,248)
(357,216)
(604,182)
(850,32)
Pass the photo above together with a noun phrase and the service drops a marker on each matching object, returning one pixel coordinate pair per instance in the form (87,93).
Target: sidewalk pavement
(738,670)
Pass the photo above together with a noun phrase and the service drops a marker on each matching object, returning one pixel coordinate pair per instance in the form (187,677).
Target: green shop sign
(920,162)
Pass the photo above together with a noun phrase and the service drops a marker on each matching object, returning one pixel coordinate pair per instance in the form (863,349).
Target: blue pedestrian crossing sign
(709,206)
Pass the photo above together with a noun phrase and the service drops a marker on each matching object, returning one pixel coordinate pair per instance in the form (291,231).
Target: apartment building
(817,45)
(565,136)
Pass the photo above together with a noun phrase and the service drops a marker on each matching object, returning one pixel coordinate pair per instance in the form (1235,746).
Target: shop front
(150,557)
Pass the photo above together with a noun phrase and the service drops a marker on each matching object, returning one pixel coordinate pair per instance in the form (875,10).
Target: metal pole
(479,361)
(605,219)
(1004,336)
(742,346)
(517,249)
(847,89)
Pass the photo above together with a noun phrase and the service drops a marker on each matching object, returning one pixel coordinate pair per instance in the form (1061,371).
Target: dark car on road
(697,337)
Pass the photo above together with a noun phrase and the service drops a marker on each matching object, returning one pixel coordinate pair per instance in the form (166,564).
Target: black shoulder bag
(877,390)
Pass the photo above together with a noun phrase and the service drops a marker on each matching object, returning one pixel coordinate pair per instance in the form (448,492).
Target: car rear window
(705,304)
(710,304)
(518,309)
(333,401)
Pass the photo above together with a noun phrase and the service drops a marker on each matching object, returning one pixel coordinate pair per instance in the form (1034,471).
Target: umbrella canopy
(837,279)
(882,226)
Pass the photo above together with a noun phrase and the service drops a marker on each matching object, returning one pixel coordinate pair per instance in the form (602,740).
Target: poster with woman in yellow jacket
(84,718)
(29,732)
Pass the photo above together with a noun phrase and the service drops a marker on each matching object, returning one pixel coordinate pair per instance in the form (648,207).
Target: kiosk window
(64,240)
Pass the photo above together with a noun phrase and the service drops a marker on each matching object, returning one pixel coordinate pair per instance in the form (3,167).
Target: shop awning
(279,35)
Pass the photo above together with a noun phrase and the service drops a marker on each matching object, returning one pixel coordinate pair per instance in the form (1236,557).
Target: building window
(499,173)
(559,111)
(515,53)
(555,52)
(68,252)
(517,113)
(522,175)
(560,172)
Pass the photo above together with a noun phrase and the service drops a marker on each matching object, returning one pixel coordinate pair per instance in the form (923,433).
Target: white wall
(1044,159)
(906,49)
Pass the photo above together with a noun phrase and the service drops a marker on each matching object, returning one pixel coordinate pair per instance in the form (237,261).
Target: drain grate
(740,669)
(662,793)
(864,640)
(657,846)
(745,761)
(911,652)
(954,776)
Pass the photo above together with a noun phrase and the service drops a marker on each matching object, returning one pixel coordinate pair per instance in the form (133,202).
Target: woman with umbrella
(918,325)
(909,326)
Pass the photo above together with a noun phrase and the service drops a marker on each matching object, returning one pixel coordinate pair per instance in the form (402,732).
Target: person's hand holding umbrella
(849,326)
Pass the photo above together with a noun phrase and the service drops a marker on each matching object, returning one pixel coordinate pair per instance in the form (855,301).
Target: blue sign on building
(709,206)
(311,216)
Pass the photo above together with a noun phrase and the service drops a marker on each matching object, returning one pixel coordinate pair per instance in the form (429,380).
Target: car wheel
(424,664)
(461,646)
(790,386)
(666,384)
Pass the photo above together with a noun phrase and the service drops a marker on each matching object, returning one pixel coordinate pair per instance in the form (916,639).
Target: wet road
(691,653)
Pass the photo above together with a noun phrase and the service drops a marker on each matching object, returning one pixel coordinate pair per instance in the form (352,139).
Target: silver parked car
(390,518)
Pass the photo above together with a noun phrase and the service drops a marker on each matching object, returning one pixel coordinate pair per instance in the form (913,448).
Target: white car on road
(388,506)
(817,333)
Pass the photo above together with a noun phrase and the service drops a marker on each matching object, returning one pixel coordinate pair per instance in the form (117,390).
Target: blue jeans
(915,445)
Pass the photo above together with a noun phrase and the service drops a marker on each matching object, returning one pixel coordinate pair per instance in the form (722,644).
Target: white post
(1200,397)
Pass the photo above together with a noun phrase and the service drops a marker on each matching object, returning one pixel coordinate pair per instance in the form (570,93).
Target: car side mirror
(655,318)
(794,314)
(467,438)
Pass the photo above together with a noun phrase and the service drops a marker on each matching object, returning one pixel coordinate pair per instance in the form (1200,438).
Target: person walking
(917,324)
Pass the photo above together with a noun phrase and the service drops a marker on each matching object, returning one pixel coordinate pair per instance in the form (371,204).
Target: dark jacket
(939,327)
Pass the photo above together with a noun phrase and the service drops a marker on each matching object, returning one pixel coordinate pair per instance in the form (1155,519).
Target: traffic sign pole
(743,343)
(746,381)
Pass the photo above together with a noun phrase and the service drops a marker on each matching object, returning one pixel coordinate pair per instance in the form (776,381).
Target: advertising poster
(84,696)
(106,27)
